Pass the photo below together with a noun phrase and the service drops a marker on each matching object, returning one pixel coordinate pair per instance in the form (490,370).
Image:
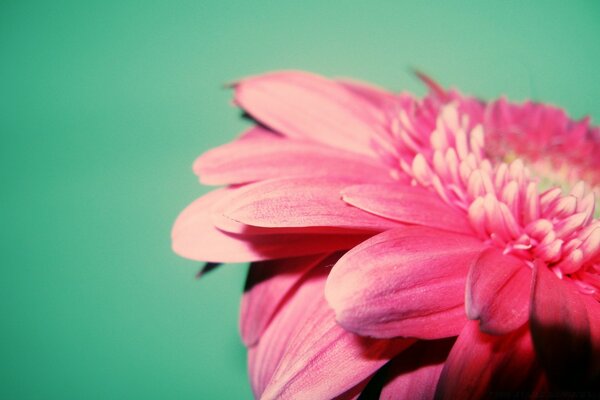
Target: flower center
(510,196)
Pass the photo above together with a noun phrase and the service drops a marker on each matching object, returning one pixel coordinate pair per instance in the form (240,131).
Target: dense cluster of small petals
(503,201)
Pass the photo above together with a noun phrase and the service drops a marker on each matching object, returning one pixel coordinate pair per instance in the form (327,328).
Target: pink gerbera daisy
(405,248)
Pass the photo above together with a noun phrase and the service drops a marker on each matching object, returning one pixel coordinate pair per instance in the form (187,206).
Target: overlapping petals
(404,247)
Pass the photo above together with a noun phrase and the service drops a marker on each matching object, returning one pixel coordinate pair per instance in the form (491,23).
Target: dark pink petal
(409,204)
(497,292)
(301,202)
(267,285)
(414,373)
(254,159)
(593,310)
(303,105)
(194,236)
(481,366)
(434,87)
(404,282)
(304,354)
(561,330)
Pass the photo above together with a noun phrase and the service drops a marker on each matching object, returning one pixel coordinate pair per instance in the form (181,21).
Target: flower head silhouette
(402,247)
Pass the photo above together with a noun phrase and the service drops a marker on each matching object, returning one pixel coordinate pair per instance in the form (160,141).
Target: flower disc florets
(501,184)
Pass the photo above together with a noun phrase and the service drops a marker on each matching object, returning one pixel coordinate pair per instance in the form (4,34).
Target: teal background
(103,108)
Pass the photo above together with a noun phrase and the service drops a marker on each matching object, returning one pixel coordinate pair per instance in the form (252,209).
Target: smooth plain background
(103,108)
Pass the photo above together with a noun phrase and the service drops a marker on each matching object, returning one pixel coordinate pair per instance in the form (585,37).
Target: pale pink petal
(414,373)
(381,98)
(304,354)
(194,236)
(404,282)
(409,204)
(303,105)
(258,132)
(267,285)
(497,292)
(480,366)
(560,327)
(254,159)
(301,202)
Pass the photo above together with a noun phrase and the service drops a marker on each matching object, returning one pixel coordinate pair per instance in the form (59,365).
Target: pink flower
(459,267)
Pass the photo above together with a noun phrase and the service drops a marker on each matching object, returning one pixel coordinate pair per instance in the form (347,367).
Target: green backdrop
(103,108)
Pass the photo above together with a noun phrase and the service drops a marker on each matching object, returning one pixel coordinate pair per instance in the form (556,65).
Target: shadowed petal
(303,105)
(301,202)
(408,204)
(414,373)
(253,159)
(194,236)
(404,282)
(304,354)
(480,365)
(560,327)
(267,285)
(497,292)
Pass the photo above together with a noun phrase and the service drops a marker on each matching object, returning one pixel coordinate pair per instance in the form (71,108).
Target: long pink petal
(301,202)
(404,282)
(379,97)
(414,373)
(481,366)
(267,285)
(407,204)
(304,354)
(497,292)
(560,327)
(303,105)
(194,236)
(254,159)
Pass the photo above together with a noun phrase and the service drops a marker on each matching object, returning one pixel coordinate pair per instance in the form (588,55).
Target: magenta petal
(404,282)
(194,236)
(407,204)
(254,159)
(267,285)
(308,106)
(301,202)
(414,373)
(304,354)
(480,365)
(593,310)
(560,327)
(497,292)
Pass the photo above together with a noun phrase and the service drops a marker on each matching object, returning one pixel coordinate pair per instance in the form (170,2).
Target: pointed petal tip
(434,86)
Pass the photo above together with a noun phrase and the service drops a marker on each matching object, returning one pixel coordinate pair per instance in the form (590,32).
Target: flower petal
(194,236)
(408,204)
(404,282)
(379,97)
(303,105)
(305,354)
(301,202)
(560,327)
(414,373)
(481,365)
(497,292)
(254,159)
(267,285)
